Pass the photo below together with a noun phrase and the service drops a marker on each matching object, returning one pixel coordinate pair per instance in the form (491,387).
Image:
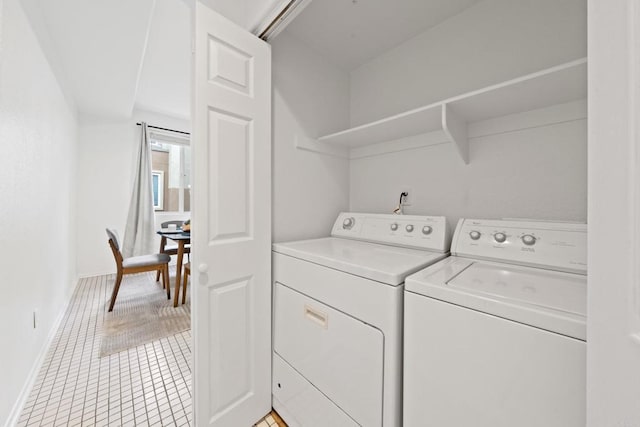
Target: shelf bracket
(456,130)
(310,144)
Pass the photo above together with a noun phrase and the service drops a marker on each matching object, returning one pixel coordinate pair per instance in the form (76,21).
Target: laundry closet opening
(478,107)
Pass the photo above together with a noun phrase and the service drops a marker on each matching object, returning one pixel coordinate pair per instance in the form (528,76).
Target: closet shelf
(557,85)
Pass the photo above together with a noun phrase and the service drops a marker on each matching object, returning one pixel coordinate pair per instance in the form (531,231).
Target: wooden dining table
(182,238)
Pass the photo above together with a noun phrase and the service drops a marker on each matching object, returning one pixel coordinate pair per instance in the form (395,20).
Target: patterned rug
(142,314)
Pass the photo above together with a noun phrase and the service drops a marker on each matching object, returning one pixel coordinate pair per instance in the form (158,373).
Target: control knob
(427,229)
(529,240)
(409,228)
(500,237)
(394,226)
(475,235)
(348,223)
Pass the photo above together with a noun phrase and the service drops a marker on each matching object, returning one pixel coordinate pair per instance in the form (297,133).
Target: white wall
(538,173)
(38,133)
(107,156)
(534,173)
(310,98)
(613,353)
(493,41)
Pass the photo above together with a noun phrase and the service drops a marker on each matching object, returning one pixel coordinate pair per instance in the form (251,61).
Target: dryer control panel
(551,245)
(412,231)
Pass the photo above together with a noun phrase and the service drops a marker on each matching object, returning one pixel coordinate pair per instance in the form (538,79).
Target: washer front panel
(466,368)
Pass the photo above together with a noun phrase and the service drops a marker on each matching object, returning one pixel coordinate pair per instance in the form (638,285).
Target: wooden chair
(187,273)
(136,264)
(171,249)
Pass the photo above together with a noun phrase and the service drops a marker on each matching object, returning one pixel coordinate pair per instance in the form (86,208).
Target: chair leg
(116,288)
(158,278)
(165,272)
(184,286)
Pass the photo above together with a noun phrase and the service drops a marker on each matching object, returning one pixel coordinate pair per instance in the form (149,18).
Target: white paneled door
(231,223)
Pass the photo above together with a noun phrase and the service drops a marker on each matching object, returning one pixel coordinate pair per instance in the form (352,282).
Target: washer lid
(543,288)
(551,300)
(382,263)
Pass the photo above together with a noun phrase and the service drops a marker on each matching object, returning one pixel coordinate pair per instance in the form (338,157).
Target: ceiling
(352,32)
(165,79)
(100,46)
(113,56)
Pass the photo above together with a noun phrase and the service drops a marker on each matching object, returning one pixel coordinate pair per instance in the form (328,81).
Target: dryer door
(340,355)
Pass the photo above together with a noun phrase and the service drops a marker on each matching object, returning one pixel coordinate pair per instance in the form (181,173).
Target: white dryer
(495,335)
(337,357)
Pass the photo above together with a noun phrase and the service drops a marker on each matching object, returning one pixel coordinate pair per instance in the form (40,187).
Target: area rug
(142,314)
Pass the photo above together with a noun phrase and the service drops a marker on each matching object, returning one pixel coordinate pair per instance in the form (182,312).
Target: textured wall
(310,98)
(534,173)
(492,41)
(38,139)
(105,177)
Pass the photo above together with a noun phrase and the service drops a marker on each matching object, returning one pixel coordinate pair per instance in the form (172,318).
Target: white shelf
(414,122)
(556,85)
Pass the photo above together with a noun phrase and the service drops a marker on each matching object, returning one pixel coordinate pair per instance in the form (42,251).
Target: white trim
(634,168)
(16,410)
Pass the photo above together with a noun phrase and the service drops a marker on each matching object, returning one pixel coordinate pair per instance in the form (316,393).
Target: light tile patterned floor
(145,386)
(271,420)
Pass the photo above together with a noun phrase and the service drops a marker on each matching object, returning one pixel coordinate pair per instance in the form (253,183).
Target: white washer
(338,318)
(495,334)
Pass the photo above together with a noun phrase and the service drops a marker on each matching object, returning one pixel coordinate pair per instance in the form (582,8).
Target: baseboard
(88,275)
(14,415)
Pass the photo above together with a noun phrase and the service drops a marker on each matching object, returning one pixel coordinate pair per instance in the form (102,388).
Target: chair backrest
(165,224)
(114,243)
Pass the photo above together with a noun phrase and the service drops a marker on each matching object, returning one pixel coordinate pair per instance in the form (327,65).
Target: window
(158,189)
(171,164)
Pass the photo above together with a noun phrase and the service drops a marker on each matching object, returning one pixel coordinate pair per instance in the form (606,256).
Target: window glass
(171,164)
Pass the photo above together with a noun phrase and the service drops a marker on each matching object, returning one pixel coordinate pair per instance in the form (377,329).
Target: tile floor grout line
(164,385)
(96,304)
(77,387)
(74,349)
(171,372)
(59,339)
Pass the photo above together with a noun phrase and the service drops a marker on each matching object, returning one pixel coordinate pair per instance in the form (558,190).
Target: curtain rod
(169,130)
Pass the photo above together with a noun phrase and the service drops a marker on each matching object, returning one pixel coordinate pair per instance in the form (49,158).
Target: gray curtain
(140,231)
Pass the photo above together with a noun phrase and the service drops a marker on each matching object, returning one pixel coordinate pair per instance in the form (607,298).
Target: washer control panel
(413,231)
(552,245)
